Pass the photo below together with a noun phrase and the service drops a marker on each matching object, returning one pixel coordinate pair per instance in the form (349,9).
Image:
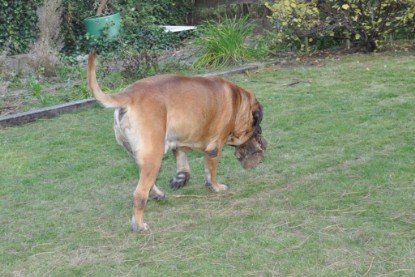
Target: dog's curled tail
(110,101)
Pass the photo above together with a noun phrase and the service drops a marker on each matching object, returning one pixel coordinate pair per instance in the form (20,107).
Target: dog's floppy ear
(257,118)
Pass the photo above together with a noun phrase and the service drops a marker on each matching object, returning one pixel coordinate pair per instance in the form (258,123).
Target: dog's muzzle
(252,152)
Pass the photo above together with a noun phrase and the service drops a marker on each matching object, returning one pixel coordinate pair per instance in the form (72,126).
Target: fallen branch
(266,82)
(293,83)
(370,267)
(203,196)
(296,82)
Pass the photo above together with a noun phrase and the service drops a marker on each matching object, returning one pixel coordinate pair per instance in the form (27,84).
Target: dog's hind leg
(148,158)
(149,168)
(183,170)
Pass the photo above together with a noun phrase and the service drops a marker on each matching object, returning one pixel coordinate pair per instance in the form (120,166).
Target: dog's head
(252,152)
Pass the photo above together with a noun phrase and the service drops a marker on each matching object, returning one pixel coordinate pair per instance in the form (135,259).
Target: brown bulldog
(181,113)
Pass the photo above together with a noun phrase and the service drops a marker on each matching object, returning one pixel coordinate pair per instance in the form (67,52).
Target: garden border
(53,111)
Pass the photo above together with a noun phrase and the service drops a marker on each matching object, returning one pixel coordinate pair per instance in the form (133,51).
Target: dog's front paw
(139,229)
(179,180)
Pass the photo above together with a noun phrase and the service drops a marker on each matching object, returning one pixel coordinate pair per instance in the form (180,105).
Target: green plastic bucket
(96,24)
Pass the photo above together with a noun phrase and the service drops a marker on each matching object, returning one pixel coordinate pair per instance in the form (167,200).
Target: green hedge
(18,19)
(17,25)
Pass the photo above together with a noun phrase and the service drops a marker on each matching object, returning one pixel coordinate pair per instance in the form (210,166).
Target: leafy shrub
(297,22)
(141,37)
(17,25)
(224,44)
(365,22)
(141,21)
(369,23)
(73,30)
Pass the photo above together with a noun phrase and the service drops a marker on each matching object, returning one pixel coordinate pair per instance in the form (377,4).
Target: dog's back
(193,89)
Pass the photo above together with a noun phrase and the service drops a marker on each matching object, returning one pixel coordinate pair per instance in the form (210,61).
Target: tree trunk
(101,7)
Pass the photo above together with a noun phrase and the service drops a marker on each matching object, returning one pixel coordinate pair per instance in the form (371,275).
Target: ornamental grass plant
(224,43)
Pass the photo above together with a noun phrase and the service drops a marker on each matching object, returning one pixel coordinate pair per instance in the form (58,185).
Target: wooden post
(347,40)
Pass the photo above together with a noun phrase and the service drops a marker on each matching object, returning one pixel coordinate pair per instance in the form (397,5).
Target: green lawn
(334,197)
